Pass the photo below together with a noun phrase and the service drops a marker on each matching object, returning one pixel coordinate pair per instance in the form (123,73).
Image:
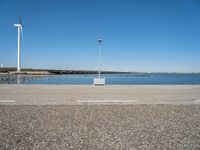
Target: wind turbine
(20,35)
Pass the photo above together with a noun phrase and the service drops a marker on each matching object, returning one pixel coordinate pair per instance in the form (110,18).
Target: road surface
(88,94)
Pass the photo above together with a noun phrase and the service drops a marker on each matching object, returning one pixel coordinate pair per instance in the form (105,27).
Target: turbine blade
(21,28)
(20,19)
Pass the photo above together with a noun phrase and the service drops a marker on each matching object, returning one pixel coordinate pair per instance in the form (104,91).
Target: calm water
(126,79)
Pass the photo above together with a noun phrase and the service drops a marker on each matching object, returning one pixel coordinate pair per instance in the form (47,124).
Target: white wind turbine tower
(20,35)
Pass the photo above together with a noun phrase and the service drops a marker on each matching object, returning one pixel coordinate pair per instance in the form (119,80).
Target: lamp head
(100,41)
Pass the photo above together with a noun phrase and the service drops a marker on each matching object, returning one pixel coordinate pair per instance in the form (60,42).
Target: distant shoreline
(30,71)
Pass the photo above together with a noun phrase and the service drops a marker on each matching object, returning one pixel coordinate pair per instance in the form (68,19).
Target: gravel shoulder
(99,127)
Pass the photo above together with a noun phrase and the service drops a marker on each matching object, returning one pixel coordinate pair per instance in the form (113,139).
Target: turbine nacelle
(18,25)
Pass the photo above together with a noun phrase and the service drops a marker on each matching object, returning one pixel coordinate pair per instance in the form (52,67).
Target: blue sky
(138,35)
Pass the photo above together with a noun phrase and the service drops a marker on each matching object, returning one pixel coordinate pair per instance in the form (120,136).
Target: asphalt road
(79,95)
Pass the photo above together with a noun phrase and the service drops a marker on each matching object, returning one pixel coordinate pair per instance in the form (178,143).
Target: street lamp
(99,58)
(99,80)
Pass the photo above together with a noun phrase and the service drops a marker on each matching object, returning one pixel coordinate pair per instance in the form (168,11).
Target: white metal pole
(99,63)
(18,62)
(18,79)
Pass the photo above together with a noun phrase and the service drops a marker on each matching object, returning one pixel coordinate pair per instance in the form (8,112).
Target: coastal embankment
(99,117)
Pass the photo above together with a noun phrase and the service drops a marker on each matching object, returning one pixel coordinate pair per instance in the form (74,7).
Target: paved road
(78,95)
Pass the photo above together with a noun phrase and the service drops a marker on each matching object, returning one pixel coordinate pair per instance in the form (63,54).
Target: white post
(18,62)
(18,79)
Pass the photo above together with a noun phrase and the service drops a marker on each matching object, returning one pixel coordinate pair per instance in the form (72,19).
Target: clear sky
(138,35)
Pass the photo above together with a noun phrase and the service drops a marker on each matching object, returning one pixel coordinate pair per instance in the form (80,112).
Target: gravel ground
(100,127)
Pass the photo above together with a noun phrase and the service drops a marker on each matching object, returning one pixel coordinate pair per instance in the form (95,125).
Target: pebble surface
(24,127)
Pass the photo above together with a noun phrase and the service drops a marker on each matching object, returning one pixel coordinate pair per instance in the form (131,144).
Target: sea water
(111,79)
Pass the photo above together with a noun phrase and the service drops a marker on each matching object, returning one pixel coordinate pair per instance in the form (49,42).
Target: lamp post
(99,80)
(99,58)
